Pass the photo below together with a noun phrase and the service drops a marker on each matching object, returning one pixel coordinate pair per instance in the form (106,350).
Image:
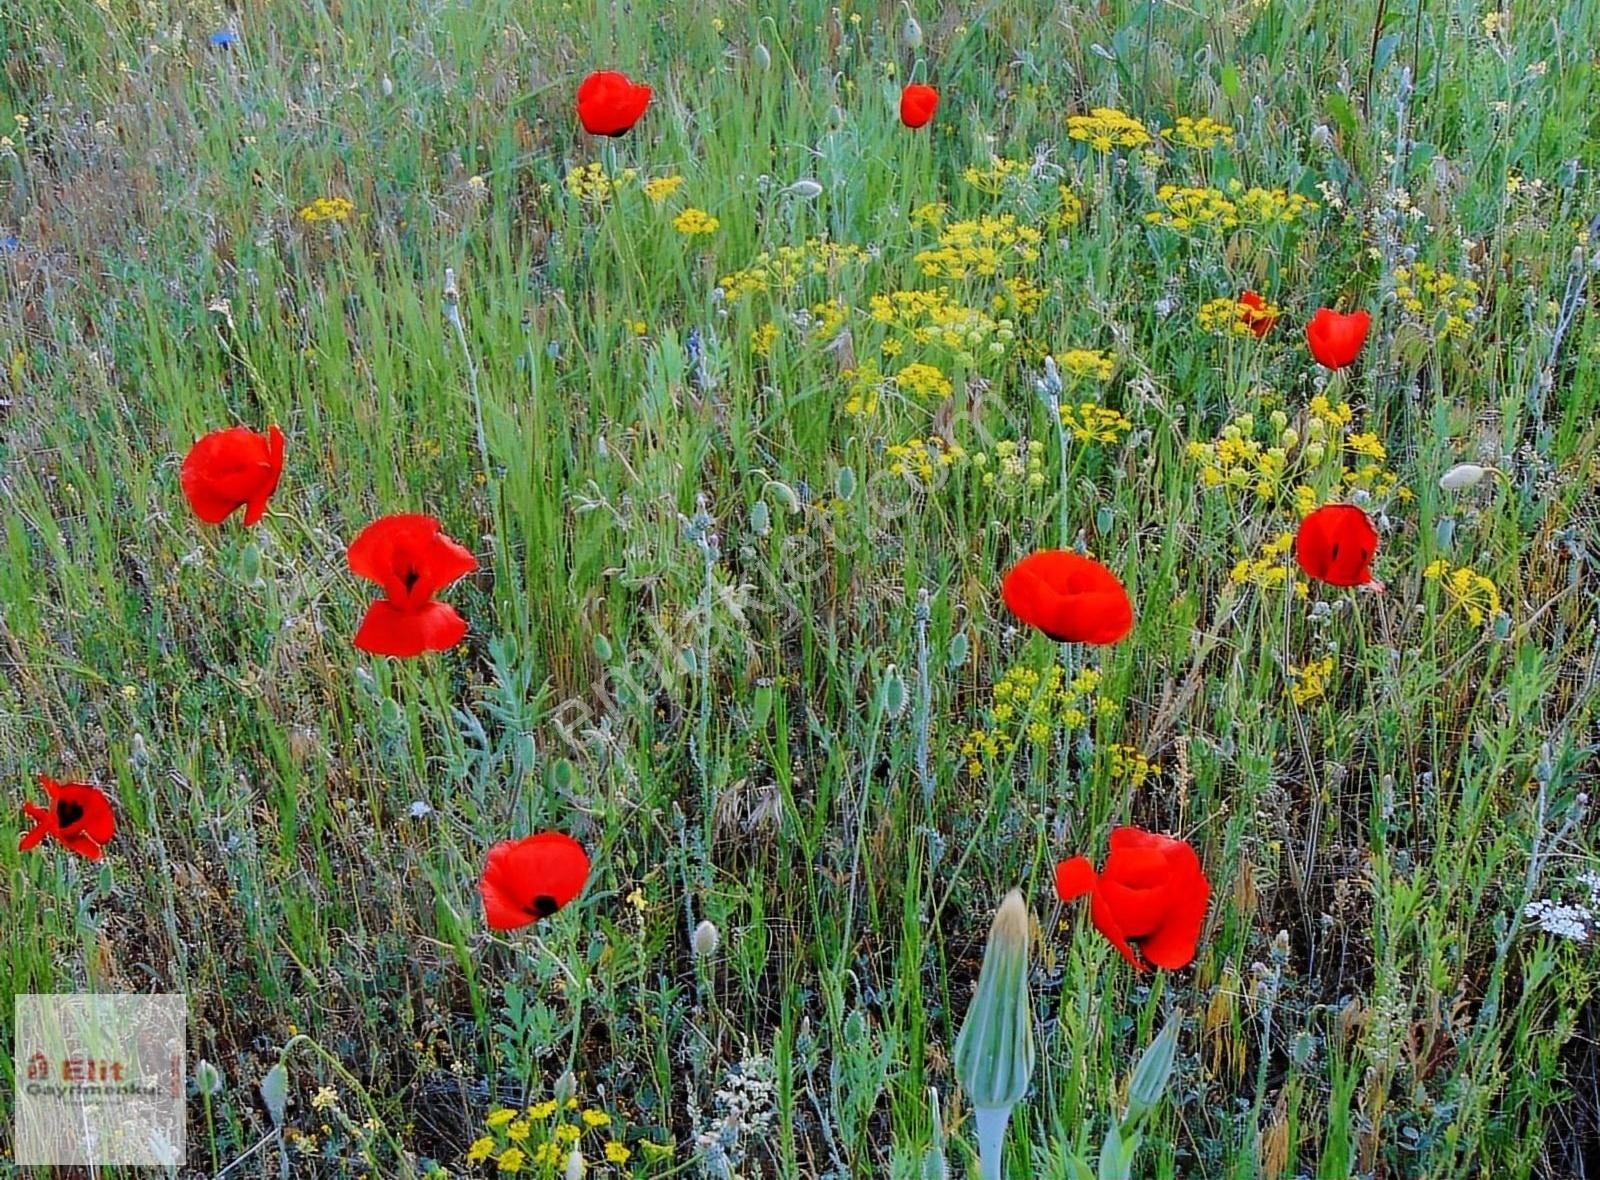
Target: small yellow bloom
(692,222)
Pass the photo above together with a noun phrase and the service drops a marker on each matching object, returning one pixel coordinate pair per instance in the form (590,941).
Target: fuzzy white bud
(705,939)
(1462,476)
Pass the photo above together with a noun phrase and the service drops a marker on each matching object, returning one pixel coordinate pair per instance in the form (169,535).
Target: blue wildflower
(223,38)
(9,242)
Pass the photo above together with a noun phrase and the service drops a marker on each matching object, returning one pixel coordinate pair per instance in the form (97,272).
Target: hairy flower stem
(452,312)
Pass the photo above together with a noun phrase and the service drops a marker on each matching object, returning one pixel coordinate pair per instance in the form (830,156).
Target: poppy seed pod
(994,1051)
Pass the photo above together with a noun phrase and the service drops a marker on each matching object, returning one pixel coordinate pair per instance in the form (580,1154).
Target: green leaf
(1342,113)
(1230,82)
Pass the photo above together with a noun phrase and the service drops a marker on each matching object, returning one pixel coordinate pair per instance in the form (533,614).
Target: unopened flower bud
(705,939)
(1462,476)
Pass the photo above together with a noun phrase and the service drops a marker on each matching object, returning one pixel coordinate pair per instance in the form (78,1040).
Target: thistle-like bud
(994,1052)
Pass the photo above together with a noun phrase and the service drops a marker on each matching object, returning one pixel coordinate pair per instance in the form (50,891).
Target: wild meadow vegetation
(744,415)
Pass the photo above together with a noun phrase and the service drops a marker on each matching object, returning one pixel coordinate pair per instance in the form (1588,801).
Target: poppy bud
(912,33)
(763,59)
(602,648)
(1155,1067)
(805,188)
(1462,476)
(959,646)
(575,1166)
(894,692)
(933,1163)
(207,1078)
(566,1088)
(386,86)
(705,939)
(786,496)
(845,483)
(994,1051)
(760,518)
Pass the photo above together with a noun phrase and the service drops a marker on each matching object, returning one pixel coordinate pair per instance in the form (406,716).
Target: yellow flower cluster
(327,209)
(866,383)
(1311,681)
(924,381)
(695,221)
(998,175)
(1268,568)
(1436,296)
(783,268)
(763,338)
(1022,296)
(828,318)
(1104,128)
(983,246)
(1032,706)
(1238,460)
(936,317)
(931,213)
(529,1140)
(1468,591)
(590,183)
(1015,465)
(1230,317)
(923,459)
(1185,208)
(1129,765)
(1088,422)
(1201,134)
(1068,213)
(662,187)
(1090,363)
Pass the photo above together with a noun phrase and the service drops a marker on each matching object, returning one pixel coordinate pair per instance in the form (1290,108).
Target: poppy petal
(1071,598)
(386,630)
(528,879)
(1173,943)
(1074,878)
(256,505)
(1105,921)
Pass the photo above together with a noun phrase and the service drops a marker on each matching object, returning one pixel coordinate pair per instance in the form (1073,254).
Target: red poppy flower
(230,468)
(917,104)
(79,816)
(1252,312)
(609,104)
(412,560)
(1151,894)
(1336,545)
(528,879)
(1071,598)
(1335,340)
